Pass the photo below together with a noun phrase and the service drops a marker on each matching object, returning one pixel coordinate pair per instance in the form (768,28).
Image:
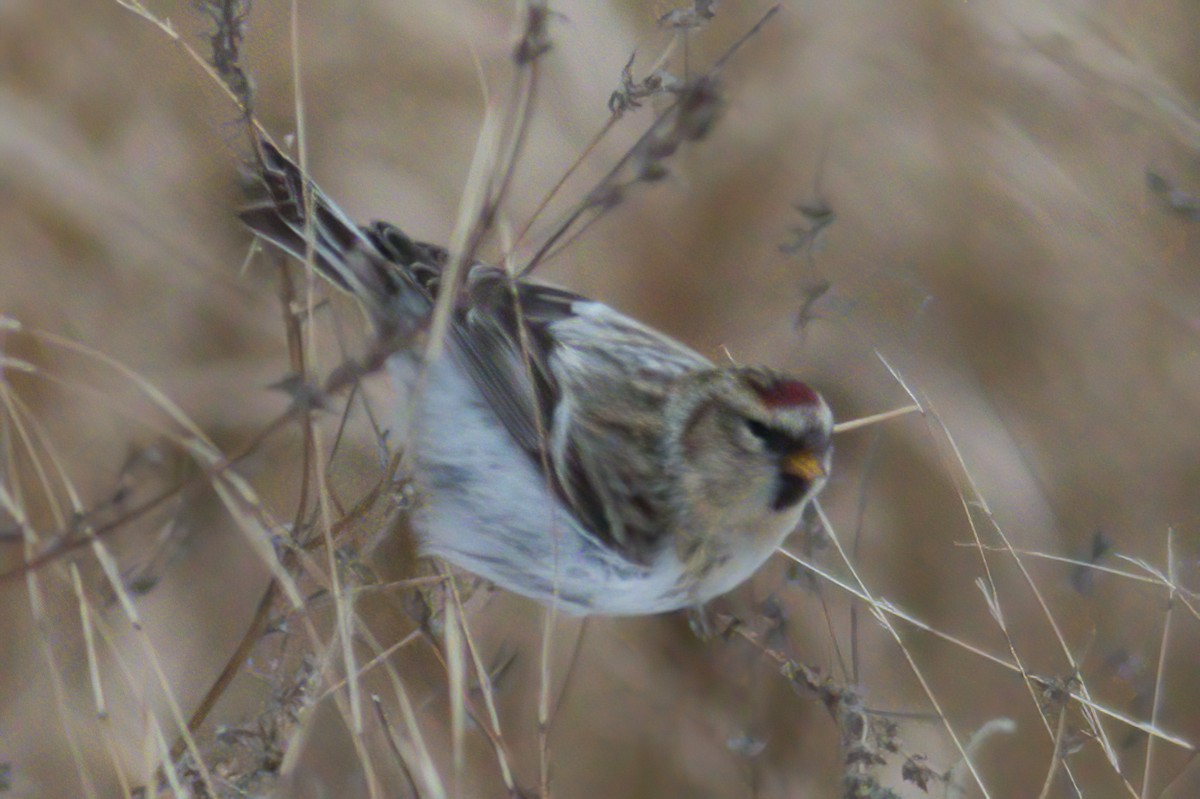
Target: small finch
(559,448)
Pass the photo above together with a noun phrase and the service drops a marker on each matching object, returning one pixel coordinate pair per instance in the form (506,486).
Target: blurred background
(1014,191)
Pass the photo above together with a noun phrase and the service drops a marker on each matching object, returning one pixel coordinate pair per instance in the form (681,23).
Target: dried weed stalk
(314,562)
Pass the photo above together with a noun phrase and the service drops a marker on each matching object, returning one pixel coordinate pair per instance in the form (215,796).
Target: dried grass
(997,274)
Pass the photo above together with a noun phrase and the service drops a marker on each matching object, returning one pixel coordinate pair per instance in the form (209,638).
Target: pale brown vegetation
(985,209)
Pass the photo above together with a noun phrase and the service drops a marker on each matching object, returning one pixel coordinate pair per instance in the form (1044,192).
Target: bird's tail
(297,217)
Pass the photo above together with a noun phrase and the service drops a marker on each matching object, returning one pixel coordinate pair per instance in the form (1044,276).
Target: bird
(558,448)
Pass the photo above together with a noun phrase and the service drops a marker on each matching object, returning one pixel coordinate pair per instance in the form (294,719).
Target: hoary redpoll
(559,448)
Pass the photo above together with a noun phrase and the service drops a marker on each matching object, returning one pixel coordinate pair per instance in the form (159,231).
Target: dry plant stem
(867,421)
(1083,695)
(237,496)
(418,753)
(870,461)
(166,27)
(497,742)
(42,625)
(165,770)
(258,622)
(877,609)
(882,618)
(456,685)
(599,198)
(234,492)
(28,429)
(33,435)
(388,464)
(576,649)
(485,686)
(532,44)
(1060,729)
(600,135)
(233,666)
(997,616)
(69,536)
(390,735)
(89,641)
(497,151)
(347,375)
(603,189)
(831,628)
(328,654)
(177,717)
(115,759)
(379,659)
(299,365)
(37,606)
(842,703)
(554,190)
(808,675)
(105,559)
(212,469)
(69,543)
(1155,577)
(342,603)
(1163,649)
(891,610)
(164,754)
(1176,595)
(979,502)
(343,606)
(549,614)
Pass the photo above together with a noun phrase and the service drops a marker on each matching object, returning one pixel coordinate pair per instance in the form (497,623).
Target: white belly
(484,507)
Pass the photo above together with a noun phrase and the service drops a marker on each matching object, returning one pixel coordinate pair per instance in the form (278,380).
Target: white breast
(485,507)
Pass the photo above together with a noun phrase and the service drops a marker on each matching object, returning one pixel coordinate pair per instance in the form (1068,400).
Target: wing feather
(579,387)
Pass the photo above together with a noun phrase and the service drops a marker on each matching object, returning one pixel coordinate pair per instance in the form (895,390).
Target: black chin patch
(789,490)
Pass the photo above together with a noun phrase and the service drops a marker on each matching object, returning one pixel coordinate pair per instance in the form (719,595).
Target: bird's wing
(581,388)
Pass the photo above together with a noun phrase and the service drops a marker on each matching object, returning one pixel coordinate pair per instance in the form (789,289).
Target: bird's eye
(773,439)
(760,430)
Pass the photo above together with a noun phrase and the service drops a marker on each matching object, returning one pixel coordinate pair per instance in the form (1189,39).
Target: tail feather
(340,251)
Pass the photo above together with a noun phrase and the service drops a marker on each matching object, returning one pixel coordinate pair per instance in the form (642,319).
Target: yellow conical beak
(803,464)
